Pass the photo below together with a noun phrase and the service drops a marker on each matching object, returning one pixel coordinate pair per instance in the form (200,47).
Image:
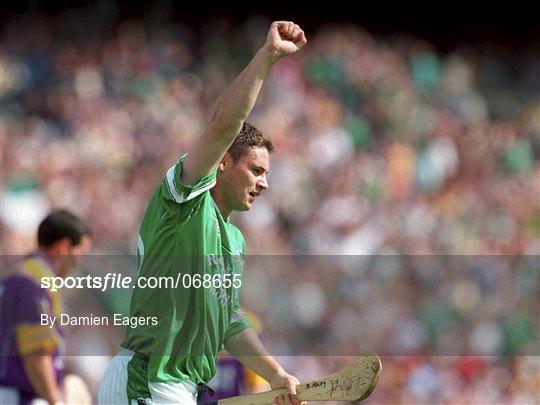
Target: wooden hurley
(353,383)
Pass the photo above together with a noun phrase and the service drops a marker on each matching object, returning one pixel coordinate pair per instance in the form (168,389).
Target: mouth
(253,194)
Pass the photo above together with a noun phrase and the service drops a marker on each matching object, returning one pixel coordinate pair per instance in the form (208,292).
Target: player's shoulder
(21,284)
(174,189)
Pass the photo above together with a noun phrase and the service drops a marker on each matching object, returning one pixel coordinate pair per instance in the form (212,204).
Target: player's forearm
(40,371)
(249,350)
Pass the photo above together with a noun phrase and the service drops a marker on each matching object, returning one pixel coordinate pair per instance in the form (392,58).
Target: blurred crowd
(452,329)
(384,148)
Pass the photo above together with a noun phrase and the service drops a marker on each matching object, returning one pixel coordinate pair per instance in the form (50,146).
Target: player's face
(71,254)
(246,178)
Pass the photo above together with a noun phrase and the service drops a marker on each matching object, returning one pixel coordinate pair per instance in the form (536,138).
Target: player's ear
(60,247)
(225,161)
(221,166)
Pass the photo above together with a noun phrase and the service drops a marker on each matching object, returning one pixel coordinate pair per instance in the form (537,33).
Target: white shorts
(113,388)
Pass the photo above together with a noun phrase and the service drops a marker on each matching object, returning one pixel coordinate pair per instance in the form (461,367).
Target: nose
(262,184)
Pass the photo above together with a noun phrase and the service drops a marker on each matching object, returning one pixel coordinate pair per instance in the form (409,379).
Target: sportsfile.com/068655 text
(117,280)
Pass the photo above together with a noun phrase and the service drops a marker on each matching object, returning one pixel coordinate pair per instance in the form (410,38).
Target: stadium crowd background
(385,149)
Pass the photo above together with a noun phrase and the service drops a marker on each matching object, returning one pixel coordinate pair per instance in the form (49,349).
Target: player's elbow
(221,132)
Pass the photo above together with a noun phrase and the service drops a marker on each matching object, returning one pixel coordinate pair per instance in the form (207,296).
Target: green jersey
(184,238)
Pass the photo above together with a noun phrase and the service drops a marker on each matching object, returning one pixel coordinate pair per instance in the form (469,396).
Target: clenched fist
(284,38)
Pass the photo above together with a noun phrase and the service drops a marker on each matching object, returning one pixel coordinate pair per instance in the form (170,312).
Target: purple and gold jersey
(230,379)
(233,379)
(22,303)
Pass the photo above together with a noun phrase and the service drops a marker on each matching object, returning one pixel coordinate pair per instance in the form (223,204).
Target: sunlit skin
(240,183)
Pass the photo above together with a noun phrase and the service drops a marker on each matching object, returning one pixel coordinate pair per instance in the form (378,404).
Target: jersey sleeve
(239,321)
(174,190)
(30,334)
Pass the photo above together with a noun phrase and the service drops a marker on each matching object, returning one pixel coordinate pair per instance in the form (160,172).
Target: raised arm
(235,104)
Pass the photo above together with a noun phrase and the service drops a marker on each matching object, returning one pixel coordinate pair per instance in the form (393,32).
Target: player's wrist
(277,377)
(270,54)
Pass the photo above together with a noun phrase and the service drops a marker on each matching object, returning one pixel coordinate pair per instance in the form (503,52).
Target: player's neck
(219,199)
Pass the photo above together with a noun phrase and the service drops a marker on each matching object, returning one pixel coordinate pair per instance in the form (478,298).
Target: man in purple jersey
(30,362)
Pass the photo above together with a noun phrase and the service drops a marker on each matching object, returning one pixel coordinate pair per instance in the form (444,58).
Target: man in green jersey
(186,236)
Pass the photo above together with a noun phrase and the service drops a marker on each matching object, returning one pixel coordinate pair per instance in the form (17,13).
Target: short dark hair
(60,224)
(249,137)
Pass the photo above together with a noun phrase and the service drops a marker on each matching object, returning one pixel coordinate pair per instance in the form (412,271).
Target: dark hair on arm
(60,224)
(249,137)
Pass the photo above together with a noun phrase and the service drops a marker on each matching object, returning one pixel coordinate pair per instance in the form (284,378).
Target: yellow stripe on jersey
(31,338)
